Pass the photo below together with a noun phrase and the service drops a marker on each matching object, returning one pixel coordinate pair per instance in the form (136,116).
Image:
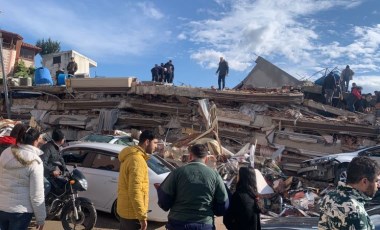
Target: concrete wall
(9,56)
(267,75)
(84,63)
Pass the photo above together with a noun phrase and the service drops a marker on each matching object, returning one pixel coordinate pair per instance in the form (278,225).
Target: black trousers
(221,81)
(129,224)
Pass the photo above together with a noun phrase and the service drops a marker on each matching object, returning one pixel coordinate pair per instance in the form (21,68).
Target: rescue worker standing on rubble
(223,72)
(194,193)
(343,208)
(72,67)
(244,212)
(133,187)
(329,86)
(346,77)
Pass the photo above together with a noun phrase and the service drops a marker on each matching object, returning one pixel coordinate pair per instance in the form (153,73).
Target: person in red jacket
(10,140)
(355,96)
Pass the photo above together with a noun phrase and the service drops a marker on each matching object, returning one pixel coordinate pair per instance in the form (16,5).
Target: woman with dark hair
(243,212)
(22,183)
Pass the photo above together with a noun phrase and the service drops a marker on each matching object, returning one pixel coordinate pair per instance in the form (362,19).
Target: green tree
(48,46)
(21,70)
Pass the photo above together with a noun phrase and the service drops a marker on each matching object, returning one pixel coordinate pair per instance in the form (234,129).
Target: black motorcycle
(63,201)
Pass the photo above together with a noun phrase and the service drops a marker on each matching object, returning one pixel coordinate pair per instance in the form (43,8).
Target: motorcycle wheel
(87,217)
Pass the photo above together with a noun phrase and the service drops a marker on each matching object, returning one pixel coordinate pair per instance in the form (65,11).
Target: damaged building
(276,116)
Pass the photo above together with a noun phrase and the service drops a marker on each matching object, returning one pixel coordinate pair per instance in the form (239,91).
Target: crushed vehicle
(332,168)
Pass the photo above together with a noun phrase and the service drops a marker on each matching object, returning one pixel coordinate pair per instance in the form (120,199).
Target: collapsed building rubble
(279,118)
(286,127)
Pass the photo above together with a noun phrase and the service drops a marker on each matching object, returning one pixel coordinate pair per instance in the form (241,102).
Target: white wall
(82,61)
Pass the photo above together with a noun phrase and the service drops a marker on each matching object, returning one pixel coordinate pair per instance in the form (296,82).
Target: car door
(78,157)
(102,176)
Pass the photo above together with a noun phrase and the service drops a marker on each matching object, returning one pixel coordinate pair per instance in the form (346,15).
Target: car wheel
(341,174)
(114,210)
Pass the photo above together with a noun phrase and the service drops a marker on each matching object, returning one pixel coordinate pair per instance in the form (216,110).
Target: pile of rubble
(280,120)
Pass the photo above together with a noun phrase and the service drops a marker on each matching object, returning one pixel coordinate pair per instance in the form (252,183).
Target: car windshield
(97,138)
(157,166)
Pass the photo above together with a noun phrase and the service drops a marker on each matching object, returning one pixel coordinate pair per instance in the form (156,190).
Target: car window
(157,166)
(75,156)
(375,152)
(106,162)
(127,141)
(97,138)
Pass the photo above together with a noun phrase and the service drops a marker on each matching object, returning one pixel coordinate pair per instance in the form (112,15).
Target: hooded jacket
(133,187)
(21,184)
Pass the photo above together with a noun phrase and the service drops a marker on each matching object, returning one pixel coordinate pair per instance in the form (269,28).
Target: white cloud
(182,36)
(78,28)
(260,27)
(150,11)
(369,83)
(285,31)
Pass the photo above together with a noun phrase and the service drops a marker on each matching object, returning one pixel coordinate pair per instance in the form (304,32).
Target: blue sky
(127,38)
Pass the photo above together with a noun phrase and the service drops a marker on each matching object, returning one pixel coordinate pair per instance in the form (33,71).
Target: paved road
(108,222)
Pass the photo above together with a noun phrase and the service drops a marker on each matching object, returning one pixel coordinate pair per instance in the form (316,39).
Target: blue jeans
(15,221)
(221,81)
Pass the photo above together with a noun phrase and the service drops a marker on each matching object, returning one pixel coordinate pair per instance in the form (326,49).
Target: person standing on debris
(193,193)
(244,212)
(170,71)
(346,77)
(329,86)
(162,72)
(354,98)
(72,67)
(223,72)
(133,186)
(154,72)
(343,208)
(21,183)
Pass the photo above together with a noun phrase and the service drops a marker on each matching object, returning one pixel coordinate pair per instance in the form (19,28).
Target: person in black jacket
(329,86)
(243,212)
(223,72)
(51,154)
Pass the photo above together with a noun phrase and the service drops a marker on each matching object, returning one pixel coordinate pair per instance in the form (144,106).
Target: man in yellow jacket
(133,187)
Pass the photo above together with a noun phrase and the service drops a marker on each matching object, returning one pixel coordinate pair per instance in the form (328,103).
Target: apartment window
(27,54)
(57,60)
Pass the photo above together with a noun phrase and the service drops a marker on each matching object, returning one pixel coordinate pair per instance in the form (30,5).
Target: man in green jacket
(133,187)
(343,208)
(194,193)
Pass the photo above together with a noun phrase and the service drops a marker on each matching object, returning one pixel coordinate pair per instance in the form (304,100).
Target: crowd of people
(163,72)
(26,175)
(337,92)
(193,194)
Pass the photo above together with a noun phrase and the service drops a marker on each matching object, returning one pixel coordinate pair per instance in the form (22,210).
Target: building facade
(15,50)
(57,61)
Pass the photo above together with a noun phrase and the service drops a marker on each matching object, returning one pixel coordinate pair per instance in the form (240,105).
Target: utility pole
(5,82)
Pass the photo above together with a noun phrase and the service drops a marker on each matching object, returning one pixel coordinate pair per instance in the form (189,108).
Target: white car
(125,140)
(100,164)
(333,168)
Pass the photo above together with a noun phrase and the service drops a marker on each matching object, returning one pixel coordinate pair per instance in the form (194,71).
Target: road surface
(107,222)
